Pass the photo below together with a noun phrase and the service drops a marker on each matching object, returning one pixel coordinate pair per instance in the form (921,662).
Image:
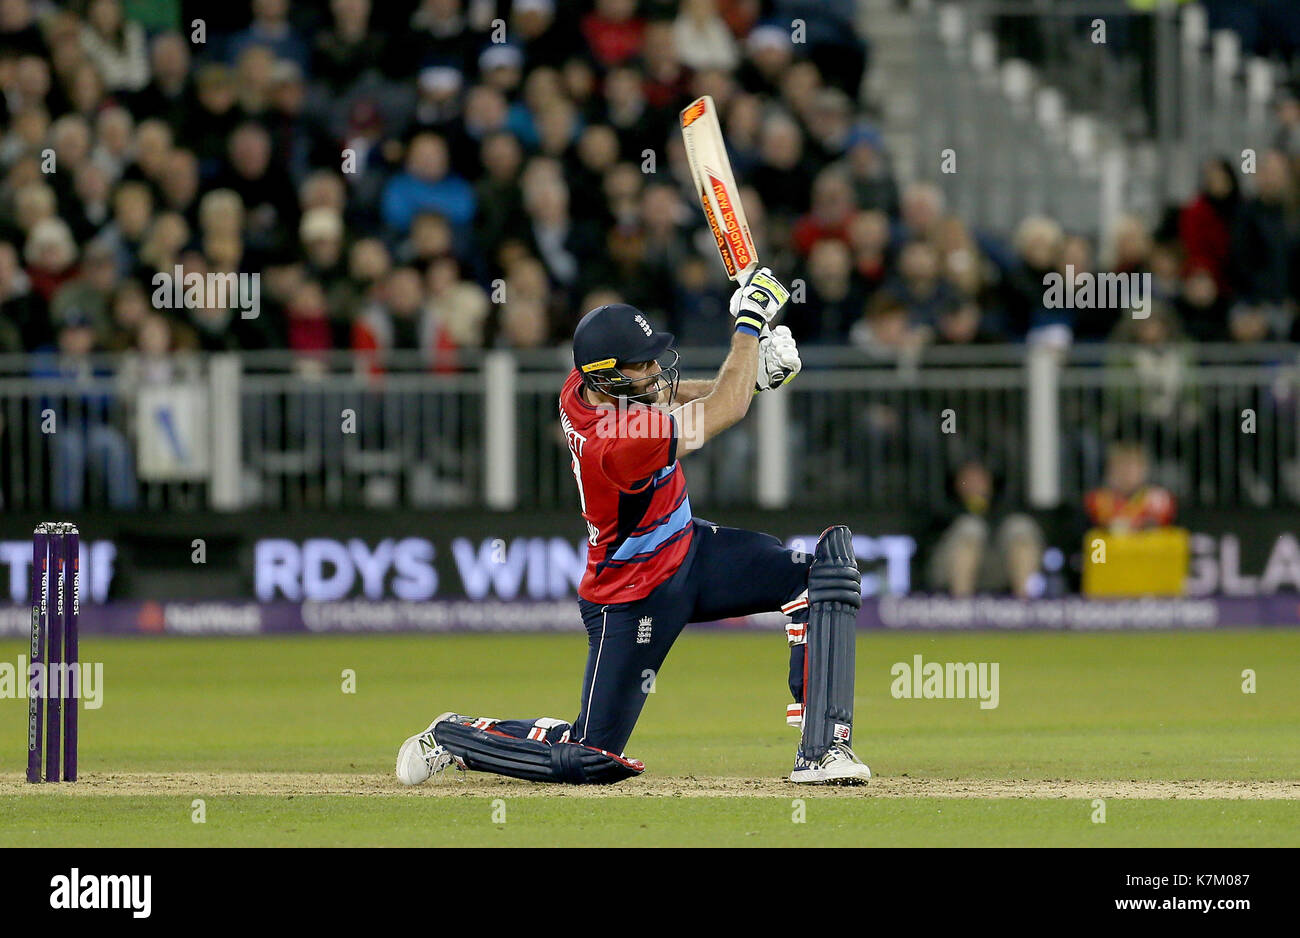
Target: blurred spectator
(153,145)
(832,40)
(783,177)
(664,241)
(179,184)
(919,288)
(85,439)
(961,263)
(368,265)
(115,135)
(1097,321)
(86,297)
(501,67)
(832,208)
(1251,324)
(868,168)
(431,237)
(169,95)
(153,359)
(1131,246)
(267,192)
(556,239)
(33,203)
(1156,399)
(1263,239)
(115,46)
(986,546)
(25,134)
(961,323)
(321,231)
(829,121)
(271,29)
(548,36)
(1202,309)
(528,286)
(349,51)
(1205,224)
(886,333)
(1127,501)
(128,308)
(1038,244)
(702,38)
(523,324)
(834,299)
(868,235)
(91,209)
(921,208)
(210,128)
(627,112)
(769,53)
(441,33)
(132,208)
(698,314)
(22,311)
(427,185)
(19,34)
(458,308)
(309,329)
(613,31)
(51,256)
(397,320)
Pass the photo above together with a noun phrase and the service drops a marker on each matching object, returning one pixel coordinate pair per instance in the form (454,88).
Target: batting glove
(758,301)
(778,358)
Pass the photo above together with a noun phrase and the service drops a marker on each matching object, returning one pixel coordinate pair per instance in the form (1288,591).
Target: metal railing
(1222,425)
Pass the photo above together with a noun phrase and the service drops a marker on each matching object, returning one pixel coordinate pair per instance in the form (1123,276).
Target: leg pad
(834,598)
(488,750)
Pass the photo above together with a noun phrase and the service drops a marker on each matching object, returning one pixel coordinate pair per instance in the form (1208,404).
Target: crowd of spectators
(402,178)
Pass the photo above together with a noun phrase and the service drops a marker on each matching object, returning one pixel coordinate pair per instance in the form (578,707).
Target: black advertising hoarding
(481,556)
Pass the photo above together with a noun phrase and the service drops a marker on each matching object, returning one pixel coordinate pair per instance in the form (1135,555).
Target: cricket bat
(706,151)
(719,197)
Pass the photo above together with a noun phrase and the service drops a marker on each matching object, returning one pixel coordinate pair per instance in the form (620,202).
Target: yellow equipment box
(1135,563)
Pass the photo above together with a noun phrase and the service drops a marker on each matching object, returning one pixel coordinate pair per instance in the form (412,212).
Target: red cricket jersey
(1149,507)
(632,494)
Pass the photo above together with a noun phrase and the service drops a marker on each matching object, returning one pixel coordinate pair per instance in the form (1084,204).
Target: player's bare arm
(755,305)
(693,390)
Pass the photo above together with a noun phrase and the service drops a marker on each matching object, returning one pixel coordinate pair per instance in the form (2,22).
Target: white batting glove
(778,358)
(758,301)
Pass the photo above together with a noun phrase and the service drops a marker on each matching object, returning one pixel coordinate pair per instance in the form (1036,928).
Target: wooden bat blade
(715,183)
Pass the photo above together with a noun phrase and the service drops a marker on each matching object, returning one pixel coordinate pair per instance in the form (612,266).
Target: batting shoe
(838,767)
(421,757)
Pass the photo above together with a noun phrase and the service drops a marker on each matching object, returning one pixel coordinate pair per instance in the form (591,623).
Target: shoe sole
(822,777)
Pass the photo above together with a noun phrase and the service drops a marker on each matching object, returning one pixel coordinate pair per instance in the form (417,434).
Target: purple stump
(35,725)
(72,657)
(54,652)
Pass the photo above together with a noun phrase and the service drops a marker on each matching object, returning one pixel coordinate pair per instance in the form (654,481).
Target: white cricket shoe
(421,757)
(838,767)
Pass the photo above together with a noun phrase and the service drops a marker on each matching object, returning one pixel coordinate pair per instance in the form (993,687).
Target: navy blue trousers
(728,572)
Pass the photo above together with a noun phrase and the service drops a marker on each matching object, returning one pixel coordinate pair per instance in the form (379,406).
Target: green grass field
(261,732)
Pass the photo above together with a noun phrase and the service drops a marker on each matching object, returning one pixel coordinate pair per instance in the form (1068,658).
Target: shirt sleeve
(646,443)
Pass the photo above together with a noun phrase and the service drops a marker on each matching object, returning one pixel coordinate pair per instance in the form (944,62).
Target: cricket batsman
(652,567)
